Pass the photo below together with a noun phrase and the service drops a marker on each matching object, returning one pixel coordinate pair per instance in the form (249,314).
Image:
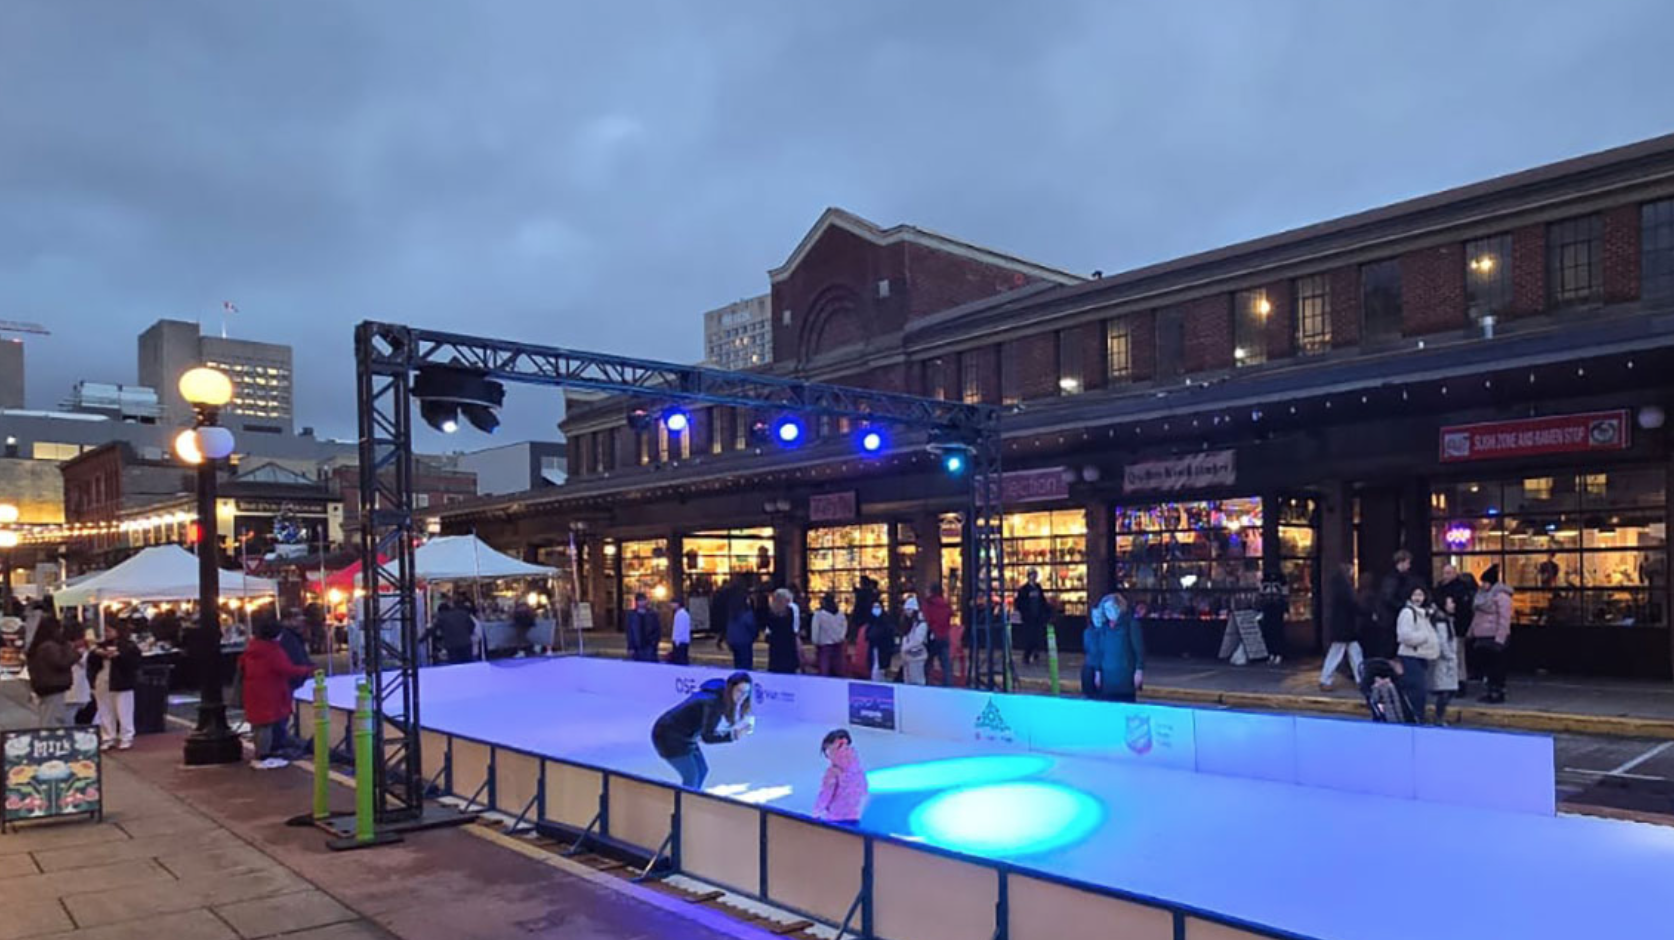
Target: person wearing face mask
(1115,663)
(880,641)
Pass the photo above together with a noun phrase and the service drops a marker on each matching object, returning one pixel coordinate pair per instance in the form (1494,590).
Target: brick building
(1479,376)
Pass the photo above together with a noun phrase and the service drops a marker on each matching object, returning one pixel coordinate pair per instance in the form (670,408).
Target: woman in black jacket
(50,657)
(719,712)
(1343,628)
(113,668)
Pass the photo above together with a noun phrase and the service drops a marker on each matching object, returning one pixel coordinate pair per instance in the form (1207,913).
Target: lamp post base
(213,742)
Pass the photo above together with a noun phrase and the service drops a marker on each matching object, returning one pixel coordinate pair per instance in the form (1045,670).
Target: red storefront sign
(832,507)
(1559,434)
(1034,486)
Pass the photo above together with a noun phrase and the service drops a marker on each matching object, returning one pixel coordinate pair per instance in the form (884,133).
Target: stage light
(441,415)
(677,420)
(481,417)
(956,772)
(787,431)
(1007,819)
(871,440)
(954,463)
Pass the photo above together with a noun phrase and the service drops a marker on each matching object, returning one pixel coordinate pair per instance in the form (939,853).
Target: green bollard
(1052,656)
(322,748)
(364,770)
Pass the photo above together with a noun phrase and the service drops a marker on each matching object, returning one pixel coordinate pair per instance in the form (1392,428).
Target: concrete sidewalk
(1558,705)
(204,854)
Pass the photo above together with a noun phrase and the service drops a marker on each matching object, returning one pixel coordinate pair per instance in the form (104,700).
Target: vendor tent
(159,573)
(466,558)
(344,579)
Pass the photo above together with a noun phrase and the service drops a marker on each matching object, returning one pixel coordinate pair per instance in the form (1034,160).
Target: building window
(45,450)
(421,500)
(970,377)
(1574,261)
(1313,314)
(1656,249)
(1118,349)
(1380,299)
(1487,276)
(1250,309)
(1171,343)
(717,431)
(643,439)
(935,378)
(740,430)
(1070,379)
(1011,376)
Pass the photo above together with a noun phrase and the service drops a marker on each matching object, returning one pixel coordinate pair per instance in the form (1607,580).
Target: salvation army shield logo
(1139,734)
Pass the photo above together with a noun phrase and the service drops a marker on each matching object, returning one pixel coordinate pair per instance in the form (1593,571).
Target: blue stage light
(788,431)
(871,440)
(1007,819)
(954,463)
(956,772)
(677,420)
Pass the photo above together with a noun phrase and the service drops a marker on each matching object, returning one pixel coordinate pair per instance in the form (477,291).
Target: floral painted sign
(51,772)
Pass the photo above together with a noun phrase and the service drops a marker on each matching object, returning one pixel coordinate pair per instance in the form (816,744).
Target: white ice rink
(1318,862)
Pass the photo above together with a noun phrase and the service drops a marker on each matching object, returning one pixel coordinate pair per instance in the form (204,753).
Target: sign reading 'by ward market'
(51,772)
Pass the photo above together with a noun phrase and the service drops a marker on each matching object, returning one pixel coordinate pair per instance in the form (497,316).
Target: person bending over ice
(719,712)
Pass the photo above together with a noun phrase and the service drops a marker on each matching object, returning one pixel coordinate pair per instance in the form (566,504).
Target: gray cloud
(595,175)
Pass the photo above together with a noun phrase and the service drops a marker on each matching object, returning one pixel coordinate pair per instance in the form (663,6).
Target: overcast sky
(596,175)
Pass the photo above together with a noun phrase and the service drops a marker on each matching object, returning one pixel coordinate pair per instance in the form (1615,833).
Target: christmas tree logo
(991,720)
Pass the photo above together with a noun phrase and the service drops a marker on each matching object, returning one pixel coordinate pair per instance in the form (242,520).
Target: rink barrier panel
(814,869)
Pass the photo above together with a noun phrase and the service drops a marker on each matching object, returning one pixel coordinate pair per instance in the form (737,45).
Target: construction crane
(13,326)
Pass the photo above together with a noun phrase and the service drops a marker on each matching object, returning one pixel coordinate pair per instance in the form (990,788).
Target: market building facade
(1479,377)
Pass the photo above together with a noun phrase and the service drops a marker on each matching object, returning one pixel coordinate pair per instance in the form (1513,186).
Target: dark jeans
(1415,681)
(275,741)
(942,652)
(1034,640)
(691,767)
(1490,660)
(743,656)
(680,654)
(460,654)
(1442,701)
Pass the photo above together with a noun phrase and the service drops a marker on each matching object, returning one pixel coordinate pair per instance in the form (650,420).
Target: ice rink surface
(1322,863)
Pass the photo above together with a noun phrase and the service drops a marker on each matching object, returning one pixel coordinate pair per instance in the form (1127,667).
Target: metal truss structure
(388,356)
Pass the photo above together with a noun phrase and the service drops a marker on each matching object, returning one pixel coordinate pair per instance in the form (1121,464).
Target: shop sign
(832,507)
(1212,468)
(275,507)
(1034,486)
(51,772)
(1559,434)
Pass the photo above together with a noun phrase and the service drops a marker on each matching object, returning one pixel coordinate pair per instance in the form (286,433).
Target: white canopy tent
(159,573)
(468,558)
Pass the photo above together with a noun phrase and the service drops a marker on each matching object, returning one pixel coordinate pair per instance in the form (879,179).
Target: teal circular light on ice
(1007,819)
(956,772)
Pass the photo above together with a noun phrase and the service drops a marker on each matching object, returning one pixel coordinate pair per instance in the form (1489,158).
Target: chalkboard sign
(1243,629)
(51,772)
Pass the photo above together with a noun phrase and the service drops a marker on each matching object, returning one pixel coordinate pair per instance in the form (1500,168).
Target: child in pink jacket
(843,792)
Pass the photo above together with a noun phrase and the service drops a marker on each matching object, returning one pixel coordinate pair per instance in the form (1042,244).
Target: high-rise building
(11,373)
(739,335)
(261,374)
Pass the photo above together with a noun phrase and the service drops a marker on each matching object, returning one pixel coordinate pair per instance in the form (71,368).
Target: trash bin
(151,698)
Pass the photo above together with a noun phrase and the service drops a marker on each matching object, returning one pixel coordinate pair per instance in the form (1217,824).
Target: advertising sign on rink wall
(872,705)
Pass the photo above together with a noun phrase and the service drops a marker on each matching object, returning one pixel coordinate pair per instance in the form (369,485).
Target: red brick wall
(1034,362)
(1621,254)
(838,275)
(987,361)
(937,280)
(1089,339)
(1208,333)
(924,374)
(1142,345)
(1345,307)
(1433,289)
(1528,271)
(1281,329)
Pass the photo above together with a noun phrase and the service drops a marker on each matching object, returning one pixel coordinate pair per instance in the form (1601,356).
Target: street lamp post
(8,541)
(213,740)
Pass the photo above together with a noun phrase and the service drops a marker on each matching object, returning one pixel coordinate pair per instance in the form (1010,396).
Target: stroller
(1380,686)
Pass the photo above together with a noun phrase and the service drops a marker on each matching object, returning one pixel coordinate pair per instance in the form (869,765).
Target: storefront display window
(644,570)
(1193,560)
(711,559)
(839,556)
(1576,549)
(906,561)
(1298,556)
(1055,544)
(953,552)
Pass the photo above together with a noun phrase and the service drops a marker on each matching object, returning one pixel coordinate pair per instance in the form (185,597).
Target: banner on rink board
(872,705)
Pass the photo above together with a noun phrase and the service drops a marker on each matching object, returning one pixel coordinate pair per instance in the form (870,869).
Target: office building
(516,468)
(261,374)
(739,335)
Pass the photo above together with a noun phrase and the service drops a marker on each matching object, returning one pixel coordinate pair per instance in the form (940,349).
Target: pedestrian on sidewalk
(741,628)
(915,643)
(456,629)
(1491,632)
(267,692)
(1418,649)
(679,653)
(1115,651)
(880,641)
(1275,605)
(645,631)
(50,659)
(784,655)
(938,616)
(1033,612)
(1393,595)
(79,700)
(1343,628)
(830,629)
(114,669)
(1444,671)
(1461,588)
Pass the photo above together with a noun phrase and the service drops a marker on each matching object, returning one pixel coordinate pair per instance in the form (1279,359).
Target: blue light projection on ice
(957,772)
(1007,819)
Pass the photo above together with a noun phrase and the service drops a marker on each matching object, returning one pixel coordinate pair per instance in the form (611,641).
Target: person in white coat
(915,645)
(1444,670)
(1418,647)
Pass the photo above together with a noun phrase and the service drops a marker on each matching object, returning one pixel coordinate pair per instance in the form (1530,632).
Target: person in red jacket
(267,693)
(938,613)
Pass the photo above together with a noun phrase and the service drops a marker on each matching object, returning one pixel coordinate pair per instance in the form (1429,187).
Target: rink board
(1214,823)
